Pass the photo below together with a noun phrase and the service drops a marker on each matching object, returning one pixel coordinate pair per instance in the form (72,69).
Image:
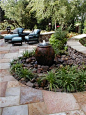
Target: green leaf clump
(20,72)
(27,54)
(58,40)
(68,79)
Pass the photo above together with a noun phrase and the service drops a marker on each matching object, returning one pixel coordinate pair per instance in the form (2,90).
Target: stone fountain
(44,54)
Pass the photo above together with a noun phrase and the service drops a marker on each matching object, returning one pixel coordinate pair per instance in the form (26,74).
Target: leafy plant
(21,72)
(32,53)
(25,54)
(70,79)
(58,40)
(51,78)
(25,73)
(15,67)
(81,80)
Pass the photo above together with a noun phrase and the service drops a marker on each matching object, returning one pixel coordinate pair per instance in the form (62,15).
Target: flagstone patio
(18,99)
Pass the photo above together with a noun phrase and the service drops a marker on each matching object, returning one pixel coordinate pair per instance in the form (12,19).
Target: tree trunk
(55,24)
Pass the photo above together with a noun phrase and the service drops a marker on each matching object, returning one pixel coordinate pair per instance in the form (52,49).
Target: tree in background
(58,11)
(45,13)
(19,12)
(78,8)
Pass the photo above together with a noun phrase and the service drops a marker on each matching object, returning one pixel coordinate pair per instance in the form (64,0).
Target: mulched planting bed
(37,73)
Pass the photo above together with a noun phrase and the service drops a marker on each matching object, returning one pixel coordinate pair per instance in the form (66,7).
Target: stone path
(18,99)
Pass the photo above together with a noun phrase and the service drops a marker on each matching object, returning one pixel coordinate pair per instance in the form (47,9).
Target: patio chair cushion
(18,30)
(30,38)
(16,39)
(35,33)
(10,36)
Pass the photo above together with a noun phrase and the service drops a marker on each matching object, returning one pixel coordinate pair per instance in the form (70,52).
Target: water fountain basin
(44,54)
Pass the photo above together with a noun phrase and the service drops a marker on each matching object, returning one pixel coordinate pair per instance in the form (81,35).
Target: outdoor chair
(34,36)
(15,33)
(18,32)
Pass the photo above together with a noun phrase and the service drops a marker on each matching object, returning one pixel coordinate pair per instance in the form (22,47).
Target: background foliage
(39,13)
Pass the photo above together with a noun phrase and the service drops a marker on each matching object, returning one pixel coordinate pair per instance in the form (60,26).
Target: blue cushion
(17,39)
(30,38)
(10,36)
(18,30)
(35,32)
(27,37)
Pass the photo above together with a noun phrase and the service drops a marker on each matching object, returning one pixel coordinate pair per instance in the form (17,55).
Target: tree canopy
(28,13)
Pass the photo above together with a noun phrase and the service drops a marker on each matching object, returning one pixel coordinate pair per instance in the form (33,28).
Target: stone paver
(9,101)
(81,99)
(15,84)
(58,102)
(4,52)
(4,48)
(7,78)
(30,95)
(3,86)
(13,91)
(4,65)
(5,60)
(4,72)
(0,111)
(1,56)
(76,112)
(16,110)
(63,113)
(37,109)
(11,55)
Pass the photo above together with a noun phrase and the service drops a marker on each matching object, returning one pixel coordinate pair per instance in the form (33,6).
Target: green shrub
(32,53)
(71,79)
(20,71)
(4,25)
(68,79)
(52,82)
(27,54)
(58,40)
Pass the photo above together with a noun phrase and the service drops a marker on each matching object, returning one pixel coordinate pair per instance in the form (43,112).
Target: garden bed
(63,75)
